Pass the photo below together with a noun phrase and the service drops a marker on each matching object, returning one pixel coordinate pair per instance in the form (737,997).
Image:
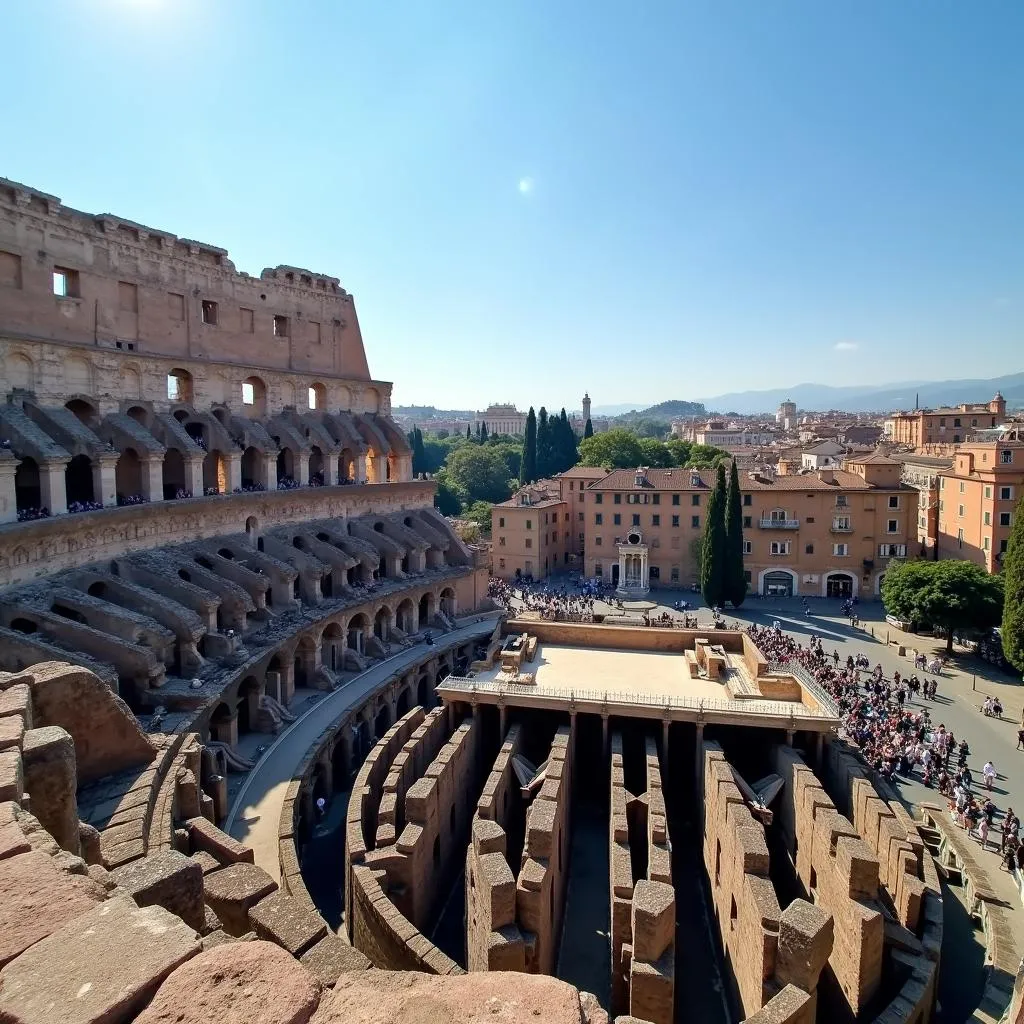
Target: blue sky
(529,199)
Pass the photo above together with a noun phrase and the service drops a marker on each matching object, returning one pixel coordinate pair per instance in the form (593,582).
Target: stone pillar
(819,752)
(790,737)
(330,470)
(51,779)
(233,468)
(52,490)
(153,478)
(194,475)
(104,479)
(604,739)
(8,498)
(698,768)
(665,723)
(217,788)
(403,470)
(502,721)
(360,461)
(302,467)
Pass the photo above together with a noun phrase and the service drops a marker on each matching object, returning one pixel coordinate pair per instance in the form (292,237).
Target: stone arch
(423,688)
(77,375)
(19,371)
(343,397)
(131,382)
(448,602)
(278,678)
(252,527)
(215,472)
(316,465)
(358,627)
(84,409)
(78,480)
(371,400)
(304,660)
(382,623)
(402,704)
(287,395)
(140,414)
(841,583)
(347,466)
(128,475)
(249,692)
(254,397)
(405,616)
(332,647)
(286,465)
(341,759)
(317,396)
(179,386)
(376,466)
(27,488)
(772,581)
(427,608)
(173,474)
(382,720)
(223,725)
(253,468)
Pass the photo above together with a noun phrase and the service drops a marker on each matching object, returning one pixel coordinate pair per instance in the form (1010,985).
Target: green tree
(469,433)
(712,556)
(528,473)
(655,453)
(735,578)
(679,450)
(446,499)
(588,429)
(479,512)
(478,474)
(953,595)
(483,432)
(543,444)
(511,452)
(614,449)
(1013,583)
(706,455)
(419,456)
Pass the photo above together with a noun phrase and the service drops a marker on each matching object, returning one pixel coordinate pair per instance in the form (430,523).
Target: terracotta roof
(657,479)
(679,480)
(514,502)
(590,472)
(874,459)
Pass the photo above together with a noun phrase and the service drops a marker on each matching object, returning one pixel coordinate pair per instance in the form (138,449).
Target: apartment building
(921,470)
(531,532)
(832,532)
(950,426)
(572,486)
(978,499)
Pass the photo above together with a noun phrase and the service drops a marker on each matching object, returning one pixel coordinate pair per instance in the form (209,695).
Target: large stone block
(290,923)
(654,919)
(37,899)
(331,957)
(16,702)
(51,779)
(236,983)
(12,779)
(100,968)
(805,944)
(206,836)
(233,891)
(167,879)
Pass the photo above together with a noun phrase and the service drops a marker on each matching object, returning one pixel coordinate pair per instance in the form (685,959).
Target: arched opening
(391,467)
(423,691)
(382,624)
(140,415)
(252,470)
(179,386)
(220,724)
(174,475)
(254,397)
(840,585)
(317,396)
(374,470)
(426,609)
(448,603)
(180,415)
(285,469)
(405,616)
(27,490)
(346,467)
(402,705)
(248,704)
(305,661)
(24,626)
(332,647)
(215,475)
(382,723)
(357,633)
(128,478)
(78,482)
(778,583)
(251,528)
(340,763)
(97,589)
(316,467)
(199,432)
(85,411)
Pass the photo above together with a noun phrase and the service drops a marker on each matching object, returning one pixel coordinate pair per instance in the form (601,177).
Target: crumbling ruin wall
(540,887)
(765,949)
(839,871)
(493,939)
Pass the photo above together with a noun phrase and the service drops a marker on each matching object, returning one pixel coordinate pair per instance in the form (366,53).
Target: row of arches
(839,584)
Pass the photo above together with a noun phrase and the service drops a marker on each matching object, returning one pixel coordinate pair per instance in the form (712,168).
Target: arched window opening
(78,484)
(83,410)
(128,478)
(254,397)
(179,386)
(27,489)
(174,475)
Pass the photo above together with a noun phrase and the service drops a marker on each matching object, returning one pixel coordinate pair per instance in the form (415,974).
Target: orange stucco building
(949,426)
(977,501)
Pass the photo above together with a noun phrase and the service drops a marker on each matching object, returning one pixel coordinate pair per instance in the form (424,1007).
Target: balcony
(779,524)
(840,528)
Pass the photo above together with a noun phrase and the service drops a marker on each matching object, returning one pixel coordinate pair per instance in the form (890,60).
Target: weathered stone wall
(766,949)
(839,871)
(631,638)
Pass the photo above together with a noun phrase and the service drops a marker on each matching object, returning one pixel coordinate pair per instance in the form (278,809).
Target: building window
(598,569)
(529,542)
(747,500)
(209,313)
(501,542)
(675,499)
(501,563)
(617,499)
(748,547)
(840,550)
(1006,457)
(579,516)
(809,549)
(674,574)
(597,498)
(175,306)
(988,518)
(960,537)
(695,500)
(892,526)
(65,283)
(655,500)
(655,520)
(567,517)
(747,522)
(128,297)
(10,270)
(1002,546)
(616,519)
(248,394)
(280,327)
(1004,518)
(695,522)
(636,520)
(1005,493)
(780,547)
(956,422)
(581,538)
(314,332)
(597,541)
(501,522)
(748,576)
(675,520)
(984,544)
(894,501)
(962,487)
(892,550)
(960,511)
(599,519)
(988,491)
(246,321)
(841,501)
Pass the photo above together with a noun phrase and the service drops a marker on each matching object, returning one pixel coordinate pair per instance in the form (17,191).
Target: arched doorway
(423,691)
(128,476)
(253,466)
(27,491)
(305,661)
(357,632)
(402,705)
(215,476)
(340,762)
(426,609)
(254,397)
(173,474)
(382,722)
(285,467)
(346,467)
(220,725)
(840,585)
(382,624)
(248,704)
(331,647)
(778,583)
(316,466)
(85,411)
(78,480)
(405,616)
(448,604)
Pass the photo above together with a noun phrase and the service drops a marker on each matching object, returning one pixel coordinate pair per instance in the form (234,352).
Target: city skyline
(674,206)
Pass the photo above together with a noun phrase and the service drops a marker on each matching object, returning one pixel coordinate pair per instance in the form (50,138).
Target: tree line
(549,446)
(722,576)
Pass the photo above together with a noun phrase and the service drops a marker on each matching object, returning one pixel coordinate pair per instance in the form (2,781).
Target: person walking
(983,832)
(989,771)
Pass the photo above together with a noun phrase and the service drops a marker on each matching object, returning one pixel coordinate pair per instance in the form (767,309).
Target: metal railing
(750,705)
(839,528)
(805,679)
(779,524)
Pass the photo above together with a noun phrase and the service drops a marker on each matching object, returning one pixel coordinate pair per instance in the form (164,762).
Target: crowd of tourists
(897,740)
(553,602)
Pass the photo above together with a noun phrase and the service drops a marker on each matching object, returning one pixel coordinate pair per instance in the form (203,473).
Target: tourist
(989,772)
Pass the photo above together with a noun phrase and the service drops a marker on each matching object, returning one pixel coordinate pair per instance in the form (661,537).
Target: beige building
(502,419)
(978,498)
(949,426)
(530,532)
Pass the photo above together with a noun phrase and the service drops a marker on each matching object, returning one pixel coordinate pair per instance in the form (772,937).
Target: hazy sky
(528,199)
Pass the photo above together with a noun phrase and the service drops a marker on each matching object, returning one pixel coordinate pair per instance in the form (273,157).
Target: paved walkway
(255,814)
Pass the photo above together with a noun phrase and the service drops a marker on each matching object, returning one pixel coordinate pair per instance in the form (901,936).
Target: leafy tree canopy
(478,473)
(954,595)
(617,449)
(1013,583)
(479,512)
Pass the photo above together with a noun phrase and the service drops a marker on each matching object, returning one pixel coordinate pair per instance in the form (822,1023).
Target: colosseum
(269,752)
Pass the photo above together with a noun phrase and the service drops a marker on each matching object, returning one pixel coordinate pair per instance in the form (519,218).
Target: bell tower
(586,407)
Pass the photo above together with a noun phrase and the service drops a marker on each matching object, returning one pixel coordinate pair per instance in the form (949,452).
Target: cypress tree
(567,451)
(543,445)
(528,469)
(1013,592)
(712,556)
(483,432)
(588,429)
(469,433)
(419,453)
(735,580)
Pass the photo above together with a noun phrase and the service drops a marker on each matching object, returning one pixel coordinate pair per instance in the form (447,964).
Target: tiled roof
(875,459)
(590,472)
(679,480)
(657,479)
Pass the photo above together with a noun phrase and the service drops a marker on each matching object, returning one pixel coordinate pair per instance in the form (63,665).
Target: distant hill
(673,409)
(428,412)
(873,398)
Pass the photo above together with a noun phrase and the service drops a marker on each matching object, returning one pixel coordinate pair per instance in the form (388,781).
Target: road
(255,814)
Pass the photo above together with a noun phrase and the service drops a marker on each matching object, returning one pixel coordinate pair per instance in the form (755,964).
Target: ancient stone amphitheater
(267,753)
